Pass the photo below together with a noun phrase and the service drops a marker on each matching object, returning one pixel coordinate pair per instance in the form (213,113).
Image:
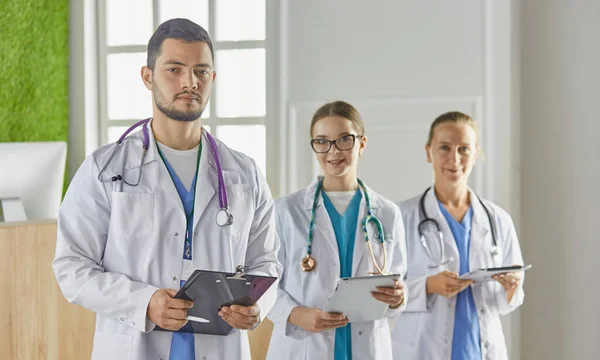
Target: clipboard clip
(239,273)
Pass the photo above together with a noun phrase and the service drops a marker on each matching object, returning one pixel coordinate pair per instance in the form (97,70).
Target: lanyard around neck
(189,217)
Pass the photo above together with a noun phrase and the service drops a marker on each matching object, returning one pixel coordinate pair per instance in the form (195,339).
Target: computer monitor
(33,172)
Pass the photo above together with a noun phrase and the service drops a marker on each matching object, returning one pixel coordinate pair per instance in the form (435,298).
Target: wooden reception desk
(36,322)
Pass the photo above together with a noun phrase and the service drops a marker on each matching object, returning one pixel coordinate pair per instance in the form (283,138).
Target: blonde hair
(455,117)
(341,109)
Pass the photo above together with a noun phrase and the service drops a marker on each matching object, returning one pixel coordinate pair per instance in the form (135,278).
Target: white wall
(402,63)
(561,174)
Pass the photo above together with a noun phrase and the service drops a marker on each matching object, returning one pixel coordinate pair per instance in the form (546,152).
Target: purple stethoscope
(224,217)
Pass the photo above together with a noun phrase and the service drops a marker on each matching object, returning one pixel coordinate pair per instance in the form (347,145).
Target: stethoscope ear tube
(495,250)
(308,263)
(224,216)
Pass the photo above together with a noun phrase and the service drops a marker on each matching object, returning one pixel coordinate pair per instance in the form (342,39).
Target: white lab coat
(116,247)
(425,329)
(370,340)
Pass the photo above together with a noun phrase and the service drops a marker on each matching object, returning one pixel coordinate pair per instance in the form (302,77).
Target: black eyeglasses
(344,143)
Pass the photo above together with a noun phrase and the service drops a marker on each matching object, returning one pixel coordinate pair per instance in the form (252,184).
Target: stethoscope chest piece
(224,218)
(308,263)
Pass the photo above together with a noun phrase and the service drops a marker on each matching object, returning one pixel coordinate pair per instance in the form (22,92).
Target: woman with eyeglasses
(449,232)
(323,239)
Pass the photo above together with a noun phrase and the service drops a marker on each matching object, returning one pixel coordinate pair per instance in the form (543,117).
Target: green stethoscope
(308,263)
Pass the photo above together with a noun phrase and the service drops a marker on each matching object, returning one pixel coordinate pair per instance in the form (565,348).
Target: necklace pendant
(308,263)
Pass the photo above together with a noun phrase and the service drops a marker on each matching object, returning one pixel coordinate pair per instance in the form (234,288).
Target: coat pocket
(108,346)
(404,351)
(383,340)
(407,328)
(132,215)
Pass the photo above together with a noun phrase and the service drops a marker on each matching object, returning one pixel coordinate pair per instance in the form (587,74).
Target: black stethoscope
(425,219)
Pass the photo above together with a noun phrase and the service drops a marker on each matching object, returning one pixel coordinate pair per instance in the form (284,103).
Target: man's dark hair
(180,29)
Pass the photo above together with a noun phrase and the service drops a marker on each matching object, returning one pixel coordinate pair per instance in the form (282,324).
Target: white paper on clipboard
(352,297)
(482,275)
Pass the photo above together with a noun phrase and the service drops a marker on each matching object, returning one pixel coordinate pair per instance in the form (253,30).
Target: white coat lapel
(360,245)
(479,230)
(323,230)
(164,182)
(207,182)
(450,249)
(361,248)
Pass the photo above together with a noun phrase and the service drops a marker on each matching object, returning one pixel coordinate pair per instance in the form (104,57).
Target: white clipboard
(352,297)
(483,275)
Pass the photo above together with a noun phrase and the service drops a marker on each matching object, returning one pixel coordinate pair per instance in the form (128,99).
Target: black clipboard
(211,290)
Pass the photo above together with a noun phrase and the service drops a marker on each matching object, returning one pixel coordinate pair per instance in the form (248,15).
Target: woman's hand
(393,296)
(510,283)
(315,320)
(446,284)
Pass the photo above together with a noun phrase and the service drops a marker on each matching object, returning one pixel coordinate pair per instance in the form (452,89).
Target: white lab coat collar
(324,226)
(433,211)
(479,226)
(207,182)
(309,197)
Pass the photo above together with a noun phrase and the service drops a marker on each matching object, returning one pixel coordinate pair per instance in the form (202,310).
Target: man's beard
(173,113)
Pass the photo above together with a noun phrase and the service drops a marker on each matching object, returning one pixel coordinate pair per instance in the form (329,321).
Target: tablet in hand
(482,275)
(352,297)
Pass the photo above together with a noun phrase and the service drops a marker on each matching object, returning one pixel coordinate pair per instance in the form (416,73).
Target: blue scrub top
(466,342)
(345,233)
(182,344)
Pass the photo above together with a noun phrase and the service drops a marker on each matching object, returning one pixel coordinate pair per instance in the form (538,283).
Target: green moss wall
(34,99)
